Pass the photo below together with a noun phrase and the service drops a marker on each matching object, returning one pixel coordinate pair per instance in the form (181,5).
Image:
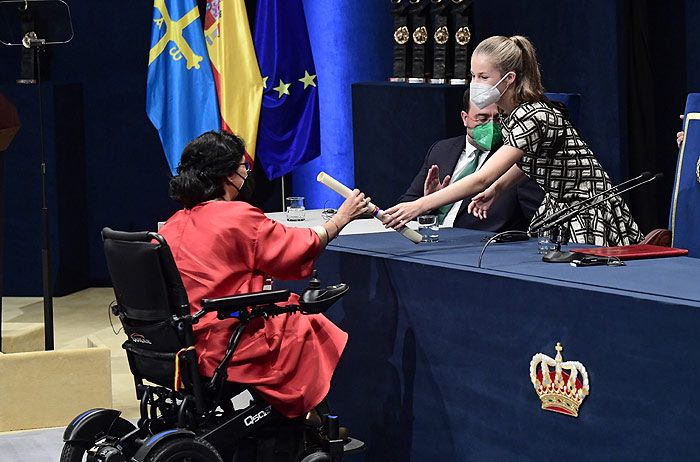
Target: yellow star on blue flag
(282,89)
(289,133)
(308,79)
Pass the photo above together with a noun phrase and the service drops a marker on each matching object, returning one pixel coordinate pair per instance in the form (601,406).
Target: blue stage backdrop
(351,42)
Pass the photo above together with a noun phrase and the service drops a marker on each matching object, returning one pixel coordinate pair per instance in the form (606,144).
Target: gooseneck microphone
(591,202)
(567,213)
(641,179)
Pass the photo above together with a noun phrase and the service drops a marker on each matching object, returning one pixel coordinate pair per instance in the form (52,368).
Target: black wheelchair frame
(197,422)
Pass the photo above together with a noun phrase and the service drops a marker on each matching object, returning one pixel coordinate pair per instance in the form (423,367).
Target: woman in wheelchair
(222,245)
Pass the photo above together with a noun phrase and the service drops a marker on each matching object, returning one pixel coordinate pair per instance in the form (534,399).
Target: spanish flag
(236,72)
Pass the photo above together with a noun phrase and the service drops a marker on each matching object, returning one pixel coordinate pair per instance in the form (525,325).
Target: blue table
(437,365)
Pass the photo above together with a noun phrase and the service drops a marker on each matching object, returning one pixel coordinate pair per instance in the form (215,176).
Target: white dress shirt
(467,155)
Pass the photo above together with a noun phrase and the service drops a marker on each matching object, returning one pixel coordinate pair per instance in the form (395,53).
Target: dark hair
(466,102)
(206,161)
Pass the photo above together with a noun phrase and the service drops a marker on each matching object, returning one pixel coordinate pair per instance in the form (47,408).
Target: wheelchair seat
(178,406)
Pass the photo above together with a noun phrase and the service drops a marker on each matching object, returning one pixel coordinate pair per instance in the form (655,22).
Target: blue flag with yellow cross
(288,133)
(181,99)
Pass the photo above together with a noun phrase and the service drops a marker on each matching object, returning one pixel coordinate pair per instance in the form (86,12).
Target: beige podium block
(18,337)
(40,389)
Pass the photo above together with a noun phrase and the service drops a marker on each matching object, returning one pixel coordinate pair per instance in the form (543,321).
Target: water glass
(544,242)
(296,210)
(428,228)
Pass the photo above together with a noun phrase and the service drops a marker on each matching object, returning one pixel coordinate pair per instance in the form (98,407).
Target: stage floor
(75,317)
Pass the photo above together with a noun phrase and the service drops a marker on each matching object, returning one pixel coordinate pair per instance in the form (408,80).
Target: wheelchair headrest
(146,281)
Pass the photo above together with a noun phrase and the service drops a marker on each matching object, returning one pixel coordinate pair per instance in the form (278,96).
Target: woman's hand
(432,181)
(482,202)
(354,206)
(402,213)
(680,136)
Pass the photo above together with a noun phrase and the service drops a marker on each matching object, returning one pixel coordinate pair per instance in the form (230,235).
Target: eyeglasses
(247,167)
(483,118)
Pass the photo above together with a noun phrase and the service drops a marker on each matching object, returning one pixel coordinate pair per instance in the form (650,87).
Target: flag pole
(282,178)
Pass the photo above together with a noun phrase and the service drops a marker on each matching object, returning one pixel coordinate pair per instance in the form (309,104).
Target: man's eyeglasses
(247,166)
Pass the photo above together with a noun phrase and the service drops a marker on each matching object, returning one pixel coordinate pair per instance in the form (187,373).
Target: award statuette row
(431,41)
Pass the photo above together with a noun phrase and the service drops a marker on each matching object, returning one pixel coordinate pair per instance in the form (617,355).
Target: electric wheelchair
(183,416)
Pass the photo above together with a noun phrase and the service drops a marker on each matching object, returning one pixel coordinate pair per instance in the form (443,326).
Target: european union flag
(685,218)
(181,97)
(289,133)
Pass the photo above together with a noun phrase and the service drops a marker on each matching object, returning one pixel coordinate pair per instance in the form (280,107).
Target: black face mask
(245,192)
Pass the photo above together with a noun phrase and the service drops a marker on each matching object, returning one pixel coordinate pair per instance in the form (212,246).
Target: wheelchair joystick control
(316,299)
(314,282)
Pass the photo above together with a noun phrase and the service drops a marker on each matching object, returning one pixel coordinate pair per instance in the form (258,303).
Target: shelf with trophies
(396,122)
(432,41)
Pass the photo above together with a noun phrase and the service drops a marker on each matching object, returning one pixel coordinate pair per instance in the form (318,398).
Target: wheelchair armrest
(243,300)
(315,300)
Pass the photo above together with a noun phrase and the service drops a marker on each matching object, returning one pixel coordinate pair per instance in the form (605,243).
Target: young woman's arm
(499,163)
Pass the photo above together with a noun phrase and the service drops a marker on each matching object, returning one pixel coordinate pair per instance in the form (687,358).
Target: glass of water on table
(428,228)
(296,209)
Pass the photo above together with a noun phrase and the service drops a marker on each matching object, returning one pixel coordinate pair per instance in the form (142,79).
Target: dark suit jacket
(512,210)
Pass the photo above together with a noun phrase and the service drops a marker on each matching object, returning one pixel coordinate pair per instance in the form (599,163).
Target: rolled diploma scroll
(378,213)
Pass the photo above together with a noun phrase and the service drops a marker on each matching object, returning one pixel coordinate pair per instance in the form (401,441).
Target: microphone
(641,178)
(584,206)
(557,256)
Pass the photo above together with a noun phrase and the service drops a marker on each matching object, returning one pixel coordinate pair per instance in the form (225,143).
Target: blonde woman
(540,142)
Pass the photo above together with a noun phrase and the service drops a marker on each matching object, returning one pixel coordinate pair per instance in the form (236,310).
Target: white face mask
(483,94)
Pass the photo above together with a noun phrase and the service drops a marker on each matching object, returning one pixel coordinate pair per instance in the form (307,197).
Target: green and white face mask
(487,135)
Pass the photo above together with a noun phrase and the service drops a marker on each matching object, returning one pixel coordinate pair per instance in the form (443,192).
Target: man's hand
(680,136)
(432,181)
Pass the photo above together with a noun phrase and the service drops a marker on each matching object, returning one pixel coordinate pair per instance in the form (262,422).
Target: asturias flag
(181,97)
(288,134)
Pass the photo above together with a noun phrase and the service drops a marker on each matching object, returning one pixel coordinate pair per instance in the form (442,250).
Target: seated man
(224,246)
(451,159)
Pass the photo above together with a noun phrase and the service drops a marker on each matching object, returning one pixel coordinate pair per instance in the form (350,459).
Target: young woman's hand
(482,202)
(402,213)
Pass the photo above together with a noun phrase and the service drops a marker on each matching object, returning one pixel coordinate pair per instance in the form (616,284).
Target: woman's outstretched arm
(498,164)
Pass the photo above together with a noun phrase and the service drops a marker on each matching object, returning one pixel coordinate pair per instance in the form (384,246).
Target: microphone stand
(556,215)
(557,225)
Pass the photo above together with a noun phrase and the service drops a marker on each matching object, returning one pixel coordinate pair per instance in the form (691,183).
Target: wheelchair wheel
(185,450)
(317,457)
(73,452)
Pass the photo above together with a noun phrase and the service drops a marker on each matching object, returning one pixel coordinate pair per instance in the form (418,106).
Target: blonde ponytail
(516,54)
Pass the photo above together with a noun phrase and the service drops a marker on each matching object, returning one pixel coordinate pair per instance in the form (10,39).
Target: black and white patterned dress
(563,165)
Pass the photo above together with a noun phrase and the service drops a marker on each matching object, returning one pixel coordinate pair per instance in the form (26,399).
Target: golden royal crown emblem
(560,390)
(420,35)
(401,35)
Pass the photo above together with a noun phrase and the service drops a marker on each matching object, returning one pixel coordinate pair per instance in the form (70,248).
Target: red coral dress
(224,248)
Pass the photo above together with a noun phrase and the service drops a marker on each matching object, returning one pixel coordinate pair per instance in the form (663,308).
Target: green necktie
(467,170)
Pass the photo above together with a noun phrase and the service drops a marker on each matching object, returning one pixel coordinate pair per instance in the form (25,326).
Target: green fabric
(467,170)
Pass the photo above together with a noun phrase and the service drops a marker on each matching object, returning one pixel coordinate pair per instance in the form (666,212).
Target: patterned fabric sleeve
(534,128)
